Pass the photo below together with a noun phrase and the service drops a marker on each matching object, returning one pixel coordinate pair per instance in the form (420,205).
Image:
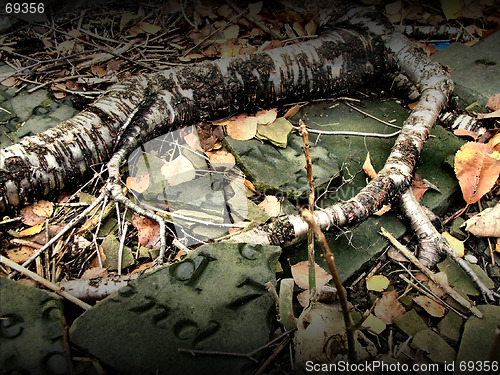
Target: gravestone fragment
(213,300)
(31,331)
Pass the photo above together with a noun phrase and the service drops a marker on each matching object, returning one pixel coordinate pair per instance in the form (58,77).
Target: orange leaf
(419,187)
(43,208)
(271,205)
(495,142)
(465,133)
(477,167)
(31,231)
(368,167)
(493,102)
(388,308)
(139,184)
(455,243)
(242,127)
(30,217)
(292,111)
(300,274)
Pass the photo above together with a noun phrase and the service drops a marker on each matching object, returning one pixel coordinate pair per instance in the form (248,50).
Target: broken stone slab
(478,337)
(31,331)
(39,123)
(450,327)
(24,104)
(474,70)
(411,323)
(459,279)
(213,300)
(435,346)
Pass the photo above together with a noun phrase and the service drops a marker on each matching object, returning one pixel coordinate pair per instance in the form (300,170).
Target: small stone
(458,278)
(455,230)
(470,258)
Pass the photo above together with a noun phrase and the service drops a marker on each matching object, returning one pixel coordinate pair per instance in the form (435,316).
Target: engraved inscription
(11,326)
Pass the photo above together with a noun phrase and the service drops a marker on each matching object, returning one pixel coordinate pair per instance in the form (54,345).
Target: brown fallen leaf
(418,187)
(388,308)
(300,274)
(477,167)
(432,307)
(494,142)
(148,231)
(455,243)
(29,217)
(20,254)
(485,223)
(465,133)
(495,114)
(221,159)
(493,102)
(442,278)
(178,170)
(292,111)
(94,273)
(368,167)
(271,205)
(242,127)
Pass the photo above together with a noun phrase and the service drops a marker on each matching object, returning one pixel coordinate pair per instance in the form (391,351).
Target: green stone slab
(458,278)
(450,327)
(436,348)
(31,331)
(24,104)
(411,323)
(358,246)
(475,70)
(478,336)
(215,300)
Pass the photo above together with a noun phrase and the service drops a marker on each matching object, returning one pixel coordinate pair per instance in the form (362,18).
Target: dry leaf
(303,298)
(368,167)
(271,205)
(178,171)
(292,111)
(20,254)
(29,217)
(477,167)
(388,308)
(495,114)
(418,187)
(494,142)
(493,102)
(9,82)
(221,159)
(242,127)
(266,117)
(452,9)
(455,243)
(31,230)
(299,29)
(442,278)
(432,307)
(193,141)
(254,8)
(94,273)
(300,274)
(148,231)
(98,71)
(465,133)
(43,208)
(139,184)
(485,223)
(377,283)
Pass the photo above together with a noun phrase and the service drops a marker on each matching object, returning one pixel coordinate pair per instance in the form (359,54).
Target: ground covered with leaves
(80,53)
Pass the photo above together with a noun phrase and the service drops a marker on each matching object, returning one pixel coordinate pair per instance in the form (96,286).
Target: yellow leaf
(271,205)
(31,230)
(311,28)
(178,171)
(139,184)
(494,142)
(242,127)
(368,167)
(455,243)
(374,324)
(150,28)
(377,283)
(477,168)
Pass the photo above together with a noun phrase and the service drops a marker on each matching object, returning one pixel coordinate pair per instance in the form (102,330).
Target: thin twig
(310,235)
(451,292)
(347,132)
(330,261)
(371,116)
(44,282)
